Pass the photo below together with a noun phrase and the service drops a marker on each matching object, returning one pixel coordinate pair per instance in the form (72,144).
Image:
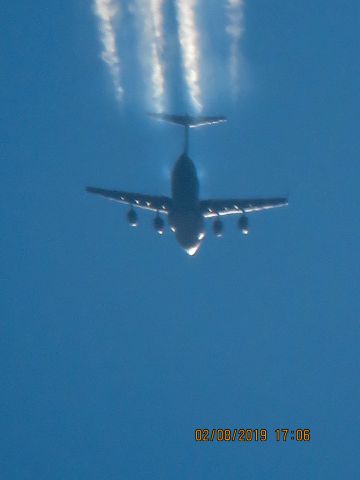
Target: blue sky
(115,345)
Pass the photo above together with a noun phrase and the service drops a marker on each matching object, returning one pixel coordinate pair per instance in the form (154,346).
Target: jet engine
(132,218)
(243,224)
(218,227)
(159,225)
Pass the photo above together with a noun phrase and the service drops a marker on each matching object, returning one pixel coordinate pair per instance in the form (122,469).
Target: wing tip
(90,189)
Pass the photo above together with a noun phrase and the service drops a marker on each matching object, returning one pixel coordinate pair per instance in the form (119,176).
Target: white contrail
(235,29)
(157,50)
(107,12)
(189,42)
(152,48)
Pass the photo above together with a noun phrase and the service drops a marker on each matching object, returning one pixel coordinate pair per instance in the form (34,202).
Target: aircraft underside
(186,212)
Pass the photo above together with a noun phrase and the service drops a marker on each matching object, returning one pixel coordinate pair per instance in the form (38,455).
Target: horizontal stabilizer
(188,121)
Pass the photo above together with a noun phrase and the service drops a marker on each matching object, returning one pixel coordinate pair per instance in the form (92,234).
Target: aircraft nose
(192,250)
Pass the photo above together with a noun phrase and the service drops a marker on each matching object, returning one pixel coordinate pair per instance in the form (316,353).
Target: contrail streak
(235,29)
(157,49)
(189,42)
(153,47)
(107,12)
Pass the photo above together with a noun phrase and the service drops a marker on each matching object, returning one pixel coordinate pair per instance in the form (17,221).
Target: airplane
(185,210)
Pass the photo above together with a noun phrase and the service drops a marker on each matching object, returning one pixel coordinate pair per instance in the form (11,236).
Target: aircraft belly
(188,225)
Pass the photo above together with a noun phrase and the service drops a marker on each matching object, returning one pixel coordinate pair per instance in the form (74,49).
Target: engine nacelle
(218,227)
(132,218)
(159,225)
(243,224)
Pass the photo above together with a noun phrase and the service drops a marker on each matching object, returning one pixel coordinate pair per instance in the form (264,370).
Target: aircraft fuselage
(185,217)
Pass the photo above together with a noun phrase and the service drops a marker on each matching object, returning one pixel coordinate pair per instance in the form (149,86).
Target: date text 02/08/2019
(252,435)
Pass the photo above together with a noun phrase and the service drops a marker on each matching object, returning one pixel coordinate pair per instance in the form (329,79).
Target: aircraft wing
(148,202)
(212,208)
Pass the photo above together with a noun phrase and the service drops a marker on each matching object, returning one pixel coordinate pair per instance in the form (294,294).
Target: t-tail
(188,121)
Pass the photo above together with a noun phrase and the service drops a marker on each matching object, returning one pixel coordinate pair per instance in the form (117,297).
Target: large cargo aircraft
(186,211)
